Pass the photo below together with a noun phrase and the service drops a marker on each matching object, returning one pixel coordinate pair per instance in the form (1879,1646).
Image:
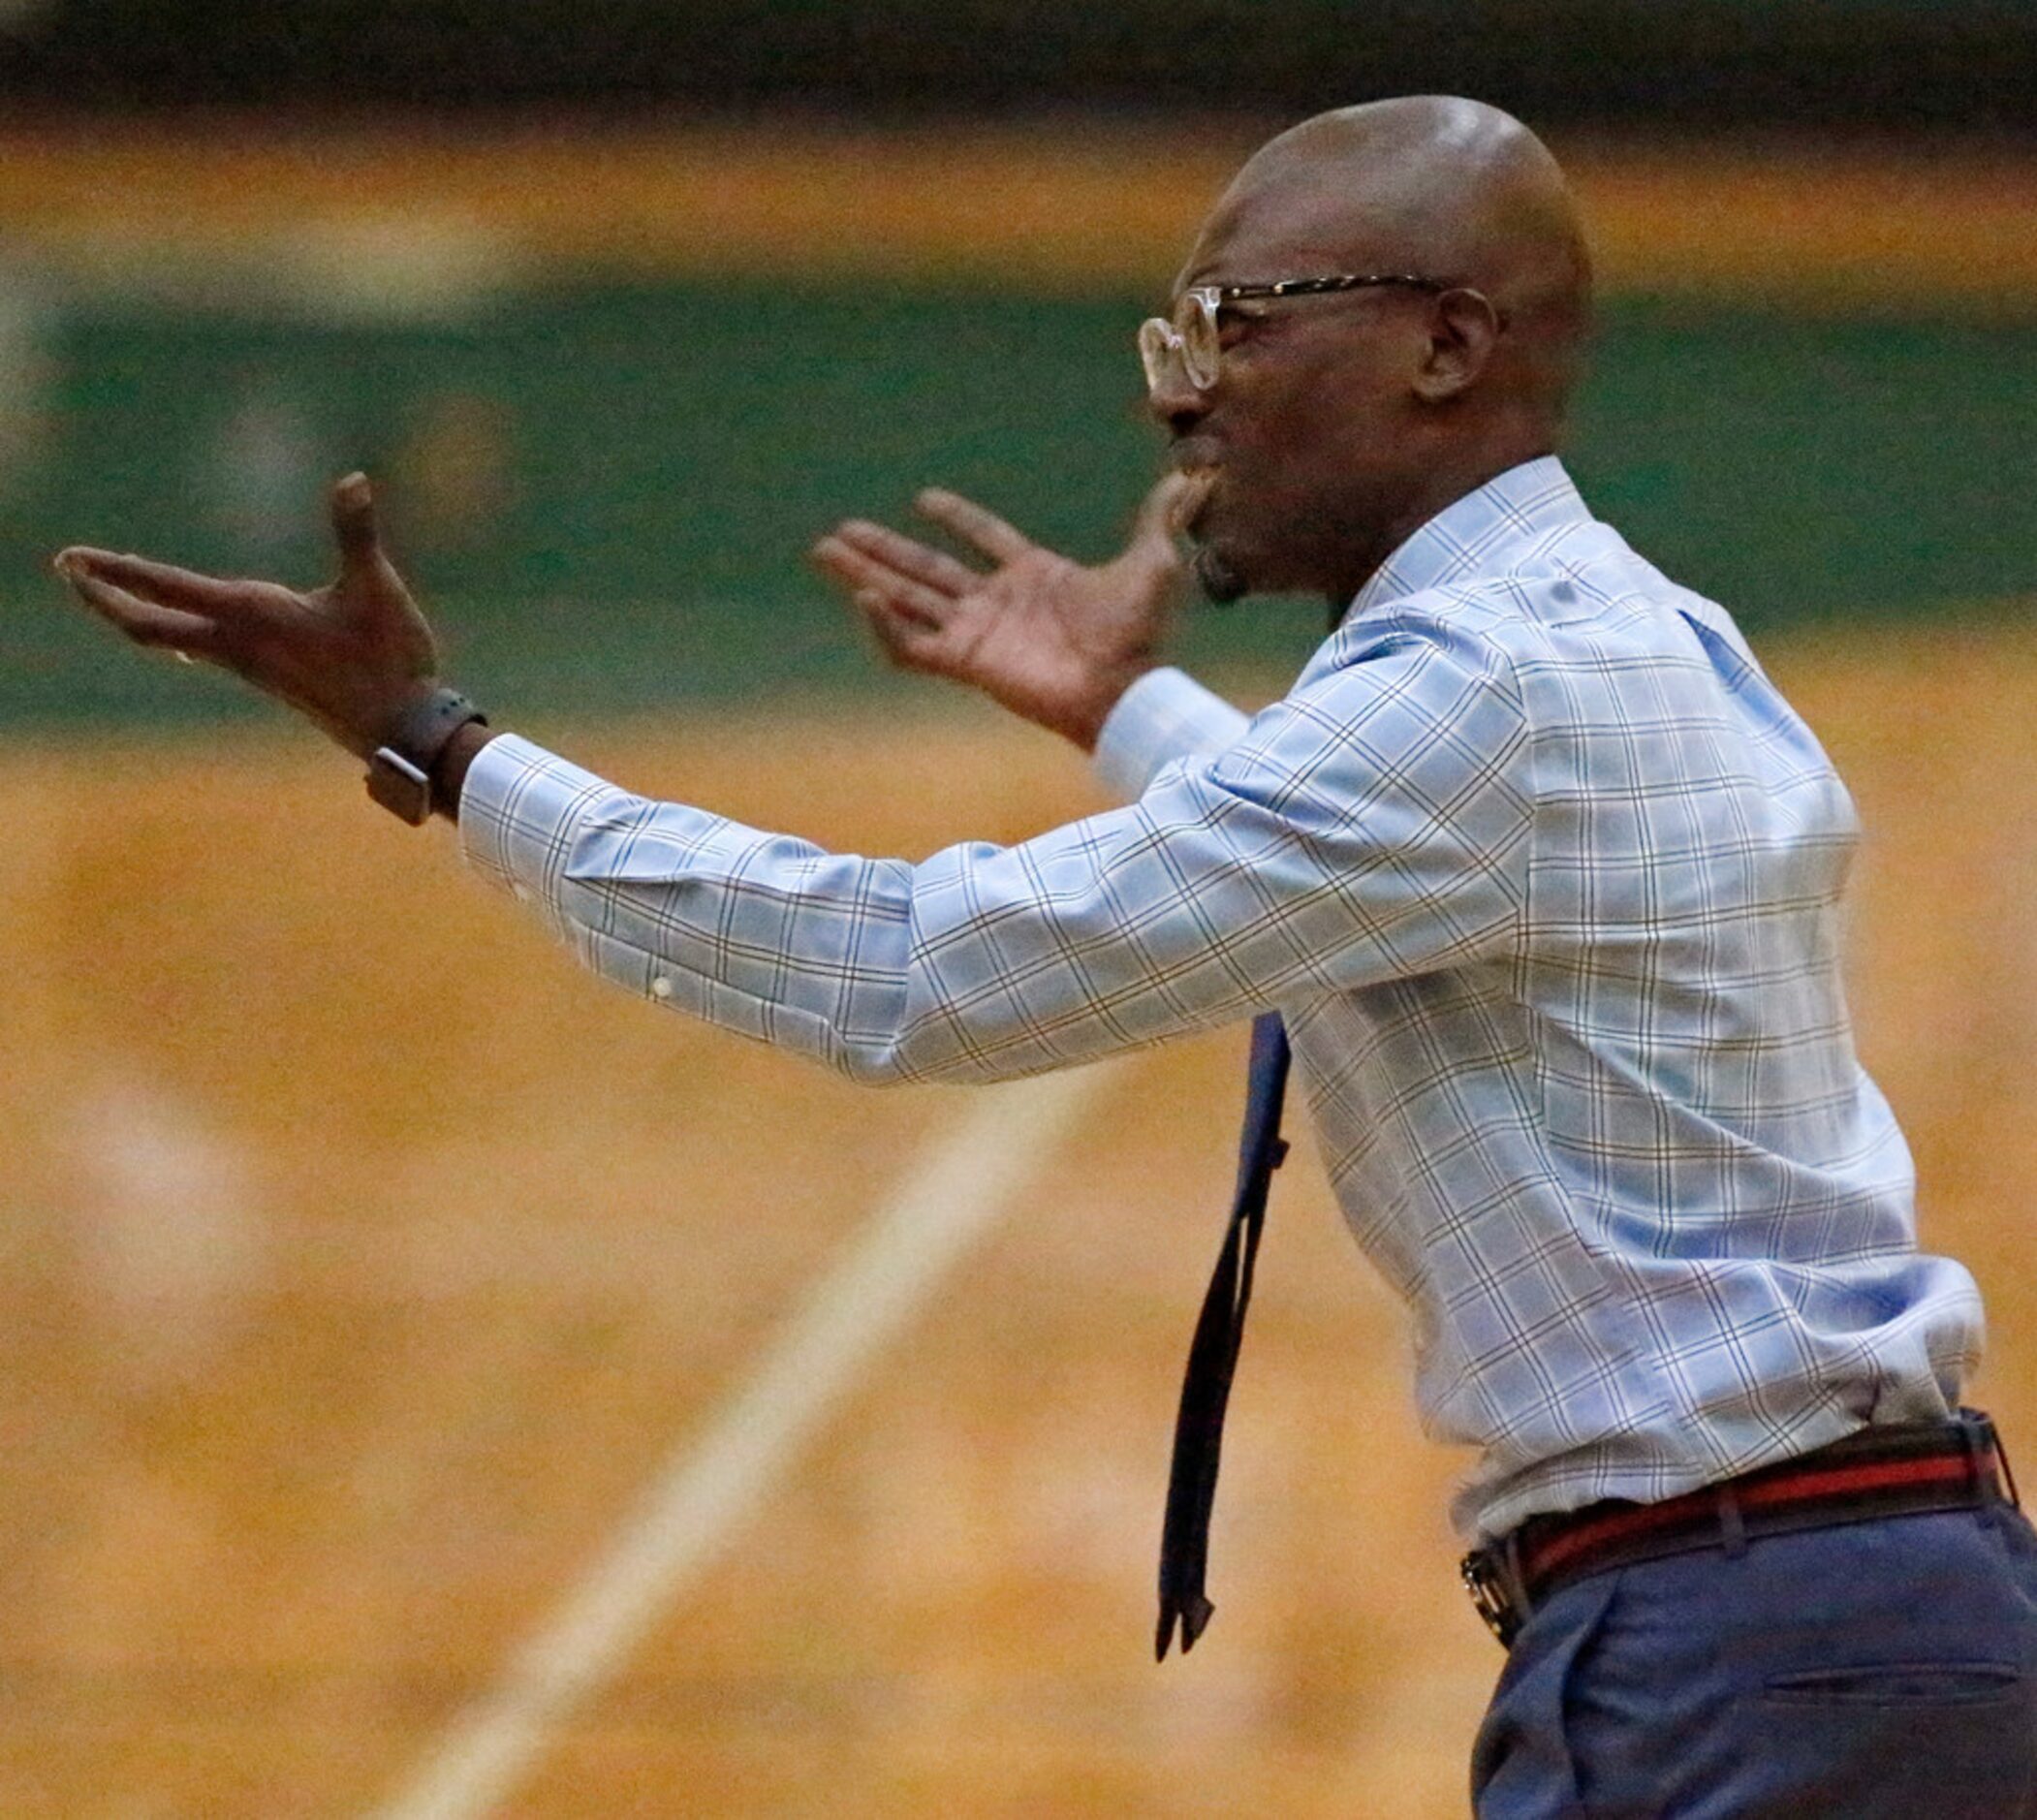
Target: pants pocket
(1896,1685)
(1893,1741)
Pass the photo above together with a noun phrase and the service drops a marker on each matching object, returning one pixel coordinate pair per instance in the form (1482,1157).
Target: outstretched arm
(1053,641)
(1371,826)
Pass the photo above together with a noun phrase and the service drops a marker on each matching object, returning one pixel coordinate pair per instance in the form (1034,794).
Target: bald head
(1348,419)
(1435,185)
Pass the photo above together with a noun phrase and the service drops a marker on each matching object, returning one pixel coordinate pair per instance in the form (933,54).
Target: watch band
(399,771)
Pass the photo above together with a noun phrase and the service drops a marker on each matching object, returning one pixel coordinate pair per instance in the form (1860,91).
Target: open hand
(1047,637)
(350,656)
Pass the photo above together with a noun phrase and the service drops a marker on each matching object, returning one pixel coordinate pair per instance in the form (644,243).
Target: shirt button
(661,987)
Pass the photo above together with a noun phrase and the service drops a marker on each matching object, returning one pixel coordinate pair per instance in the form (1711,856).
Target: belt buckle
(1491,1596)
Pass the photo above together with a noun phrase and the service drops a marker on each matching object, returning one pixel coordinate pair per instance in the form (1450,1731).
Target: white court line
(958,1189)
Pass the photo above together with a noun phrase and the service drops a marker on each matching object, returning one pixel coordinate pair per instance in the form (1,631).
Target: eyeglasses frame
(1159,340)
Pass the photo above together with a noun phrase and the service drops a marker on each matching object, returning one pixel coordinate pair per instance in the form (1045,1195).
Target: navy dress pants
(1873,1671)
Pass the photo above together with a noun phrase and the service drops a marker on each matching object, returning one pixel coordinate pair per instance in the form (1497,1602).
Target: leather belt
(1896,1470)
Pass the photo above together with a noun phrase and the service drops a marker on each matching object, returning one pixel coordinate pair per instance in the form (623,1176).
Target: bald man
(1541,876)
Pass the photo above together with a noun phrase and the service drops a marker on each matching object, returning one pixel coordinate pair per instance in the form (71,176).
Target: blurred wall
(1885,64)
(613,380)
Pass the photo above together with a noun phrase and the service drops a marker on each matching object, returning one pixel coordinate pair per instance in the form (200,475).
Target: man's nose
(1173,401)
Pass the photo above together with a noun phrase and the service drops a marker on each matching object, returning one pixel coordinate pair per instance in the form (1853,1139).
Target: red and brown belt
(1897,1470)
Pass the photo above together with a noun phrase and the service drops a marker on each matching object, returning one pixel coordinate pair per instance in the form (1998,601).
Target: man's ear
(1463,326)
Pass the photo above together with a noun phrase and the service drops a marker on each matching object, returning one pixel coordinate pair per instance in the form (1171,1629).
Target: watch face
(399,787)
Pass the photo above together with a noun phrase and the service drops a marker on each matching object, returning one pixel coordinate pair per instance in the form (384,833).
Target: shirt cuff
(1163,716)
(519,808)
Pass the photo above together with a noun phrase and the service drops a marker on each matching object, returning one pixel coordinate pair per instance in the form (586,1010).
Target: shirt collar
(1475,536)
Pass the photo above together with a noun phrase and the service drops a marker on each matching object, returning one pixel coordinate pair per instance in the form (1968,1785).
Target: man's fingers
(910,642)
(908,556)
(860,573)
(159,581)
(973,524)
(353,521)
(144,621)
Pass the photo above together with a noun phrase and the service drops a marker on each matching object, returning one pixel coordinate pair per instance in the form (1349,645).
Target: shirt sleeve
(1373,824)
(1163,716)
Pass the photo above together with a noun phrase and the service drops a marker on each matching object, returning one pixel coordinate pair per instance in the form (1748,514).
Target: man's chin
(1220,582)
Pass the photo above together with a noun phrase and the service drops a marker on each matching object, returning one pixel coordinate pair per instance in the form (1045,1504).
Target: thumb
(354,523)
(1162,516)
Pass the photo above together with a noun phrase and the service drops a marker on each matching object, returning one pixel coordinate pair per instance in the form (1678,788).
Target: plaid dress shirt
(1544,875)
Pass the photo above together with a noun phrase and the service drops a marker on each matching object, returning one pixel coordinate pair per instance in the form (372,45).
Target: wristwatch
(399,771)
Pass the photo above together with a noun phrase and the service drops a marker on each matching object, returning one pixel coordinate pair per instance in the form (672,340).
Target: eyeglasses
(1192,335)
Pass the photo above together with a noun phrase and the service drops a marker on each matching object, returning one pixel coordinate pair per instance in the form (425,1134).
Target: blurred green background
(606,489)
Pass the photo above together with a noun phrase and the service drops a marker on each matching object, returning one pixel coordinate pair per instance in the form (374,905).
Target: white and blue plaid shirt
(1544,875)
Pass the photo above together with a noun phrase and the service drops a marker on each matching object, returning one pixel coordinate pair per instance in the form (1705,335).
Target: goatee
(1220,583)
